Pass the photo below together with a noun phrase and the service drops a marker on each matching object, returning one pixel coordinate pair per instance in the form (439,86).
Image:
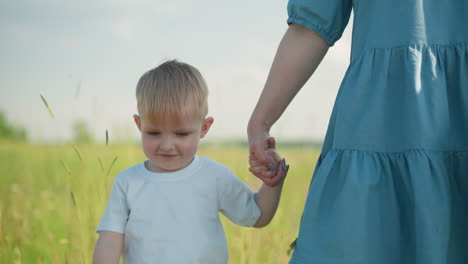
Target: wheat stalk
(73,199)
(78,152)
(101,164)
(107,137)
(112,164)
(48,107)
(67,168)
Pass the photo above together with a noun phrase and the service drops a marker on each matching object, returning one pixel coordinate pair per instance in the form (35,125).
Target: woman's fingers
(271,142)
(258,145)
(262,165)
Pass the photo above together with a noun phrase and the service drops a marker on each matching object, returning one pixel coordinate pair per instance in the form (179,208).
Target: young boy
(165,210)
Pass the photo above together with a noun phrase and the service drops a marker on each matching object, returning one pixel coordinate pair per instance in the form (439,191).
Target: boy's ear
(207,122)
(137,121)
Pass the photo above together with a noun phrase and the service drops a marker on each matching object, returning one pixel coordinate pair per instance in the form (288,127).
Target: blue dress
(391,183)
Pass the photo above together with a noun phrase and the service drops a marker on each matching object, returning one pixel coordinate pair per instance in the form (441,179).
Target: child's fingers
(268,173)
(267,167)
(279,176)
(262,169)
(255,163)
(270,181)
(258,169)
(273,179)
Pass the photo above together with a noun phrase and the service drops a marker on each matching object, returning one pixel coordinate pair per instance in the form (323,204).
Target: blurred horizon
(86,57)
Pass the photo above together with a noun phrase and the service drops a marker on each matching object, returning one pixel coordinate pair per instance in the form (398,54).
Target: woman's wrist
(257,125)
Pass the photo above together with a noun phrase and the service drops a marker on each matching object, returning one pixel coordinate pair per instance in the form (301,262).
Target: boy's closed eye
(157,133)
(183,132)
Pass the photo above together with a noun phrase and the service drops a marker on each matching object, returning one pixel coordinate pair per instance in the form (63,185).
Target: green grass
(53,196)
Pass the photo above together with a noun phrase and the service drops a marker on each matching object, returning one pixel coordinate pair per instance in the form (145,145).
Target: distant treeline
(9,131)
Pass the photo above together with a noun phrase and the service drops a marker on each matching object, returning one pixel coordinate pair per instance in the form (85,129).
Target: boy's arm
(108,248)
(268,197)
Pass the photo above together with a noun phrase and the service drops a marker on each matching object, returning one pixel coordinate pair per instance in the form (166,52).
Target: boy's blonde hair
(166,89)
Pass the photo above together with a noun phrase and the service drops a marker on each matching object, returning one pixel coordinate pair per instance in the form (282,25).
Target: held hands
(272,169)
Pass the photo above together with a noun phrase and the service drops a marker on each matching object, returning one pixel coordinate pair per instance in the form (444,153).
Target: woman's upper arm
(328,18)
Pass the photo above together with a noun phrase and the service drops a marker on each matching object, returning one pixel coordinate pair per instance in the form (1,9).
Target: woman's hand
(265,163)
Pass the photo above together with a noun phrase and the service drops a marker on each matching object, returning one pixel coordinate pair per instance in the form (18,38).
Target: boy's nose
(167,144)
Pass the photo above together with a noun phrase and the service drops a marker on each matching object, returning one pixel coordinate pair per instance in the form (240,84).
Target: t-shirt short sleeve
(237,201)
(116,214)
(328,18)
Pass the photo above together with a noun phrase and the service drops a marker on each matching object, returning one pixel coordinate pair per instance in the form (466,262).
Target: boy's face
(170,145)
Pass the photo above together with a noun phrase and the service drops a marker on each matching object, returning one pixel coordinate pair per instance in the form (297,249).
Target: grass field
(53,196)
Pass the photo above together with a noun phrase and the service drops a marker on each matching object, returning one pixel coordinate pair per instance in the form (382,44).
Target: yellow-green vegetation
(53,196)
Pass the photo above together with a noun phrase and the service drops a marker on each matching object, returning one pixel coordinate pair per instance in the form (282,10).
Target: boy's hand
(270,175)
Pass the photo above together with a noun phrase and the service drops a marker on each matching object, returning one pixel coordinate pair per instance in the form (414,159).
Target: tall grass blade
(73,199)
(291,248)
(66,167)
(48,107)
(101,164)
(78,152)
(112,165)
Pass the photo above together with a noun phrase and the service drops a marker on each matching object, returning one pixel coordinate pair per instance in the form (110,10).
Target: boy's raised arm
(268,197)
(108,248)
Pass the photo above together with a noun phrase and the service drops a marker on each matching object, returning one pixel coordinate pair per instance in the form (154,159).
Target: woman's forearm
(299,53)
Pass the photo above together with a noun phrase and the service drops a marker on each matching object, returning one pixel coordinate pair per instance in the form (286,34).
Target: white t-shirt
(171,218)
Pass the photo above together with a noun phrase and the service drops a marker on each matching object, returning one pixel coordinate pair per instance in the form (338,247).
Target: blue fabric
(391,184)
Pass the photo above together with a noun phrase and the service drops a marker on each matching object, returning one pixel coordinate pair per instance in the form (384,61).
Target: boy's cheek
(148,143)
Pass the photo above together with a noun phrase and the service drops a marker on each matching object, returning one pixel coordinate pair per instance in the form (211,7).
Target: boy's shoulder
(130,173)
(213,165)
(220,174)
(217,171)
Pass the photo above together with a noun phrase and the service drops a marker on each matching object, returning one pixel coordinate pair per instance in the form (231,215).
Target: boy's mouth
(168,156)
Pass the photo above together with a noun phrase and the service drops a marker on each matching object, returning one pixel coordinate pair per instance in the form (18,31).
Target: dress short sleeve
(328,18)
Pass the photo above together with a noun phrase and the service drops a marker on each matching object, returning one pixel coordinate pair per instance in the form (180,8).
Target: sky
(85,57)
